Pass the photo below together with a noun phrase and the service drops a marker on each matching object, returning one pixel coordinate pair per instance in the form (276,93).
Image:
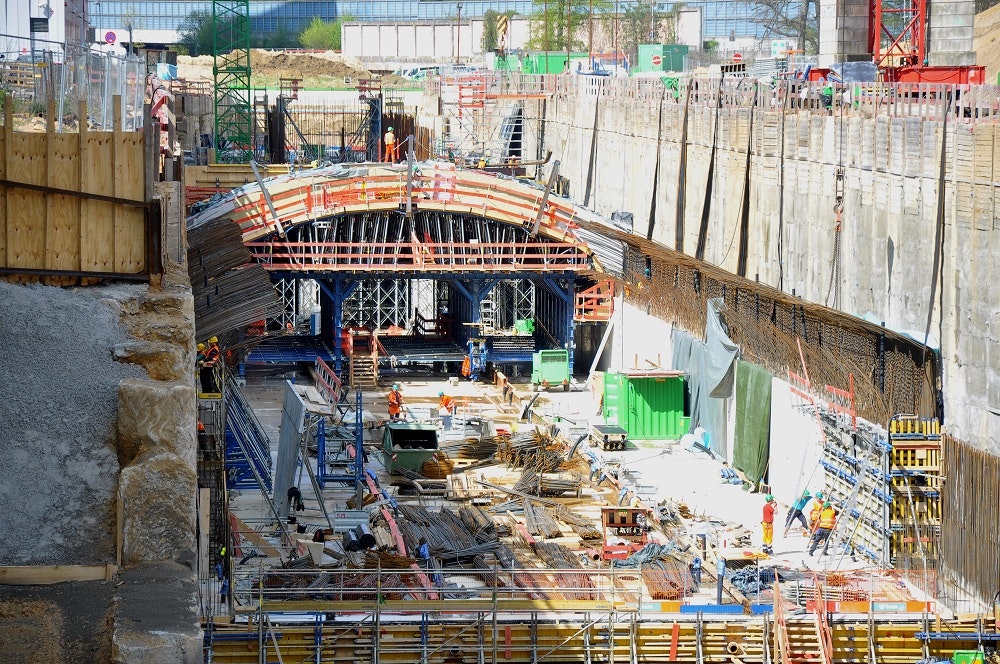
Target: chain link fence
(34,72)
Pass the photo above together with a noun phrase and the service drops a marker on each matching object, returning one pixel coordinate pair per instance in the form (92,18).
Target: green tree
(196,33)
(324,35)
(319,35)
(797,19)
(281,37)
(490,35)
(557,27)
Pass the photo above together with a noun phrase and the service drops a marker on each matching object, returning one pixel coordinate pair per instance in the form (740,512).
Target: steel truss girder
(430,241)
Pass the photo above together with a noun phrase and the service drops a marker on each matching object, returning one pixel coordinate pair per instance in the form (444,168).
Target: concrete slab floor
(664,468)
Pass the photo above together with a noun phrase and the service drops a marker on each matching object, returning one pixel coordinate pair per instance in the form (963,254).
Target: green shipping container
(650,406)
(661,57)
(552,62)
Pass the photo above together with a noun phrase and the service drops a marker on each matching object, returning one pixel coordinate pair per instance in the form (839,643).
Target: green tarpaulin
(753,420)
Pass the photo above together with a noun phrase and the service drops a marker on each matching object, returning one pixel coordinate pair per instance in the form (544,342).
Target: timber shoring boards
(46,230)
(527,639)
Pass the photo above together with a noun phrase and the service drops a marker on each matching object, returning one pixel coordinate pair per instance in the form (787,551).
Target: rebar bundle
(539,522)
(581,525)
(230,292)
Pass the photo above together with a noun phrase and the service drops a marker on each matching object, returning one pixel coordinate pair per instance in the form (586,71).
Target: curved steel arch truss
(390,243)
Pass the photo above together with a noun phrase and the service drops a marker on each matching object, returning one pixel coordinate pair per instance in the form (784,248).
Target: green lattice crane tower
(231,50)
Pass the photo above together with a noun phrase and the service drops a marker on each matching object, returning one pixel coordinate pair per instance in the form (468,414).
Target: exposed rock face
(155,417)
(162,322)
(158,509)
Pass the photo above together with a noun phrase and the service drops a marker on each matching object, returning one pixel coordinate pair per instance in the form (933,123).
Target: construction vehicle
(550,367)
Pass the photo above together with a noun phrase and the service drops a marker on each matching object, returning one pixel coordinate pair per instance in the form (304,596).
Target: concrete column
(949,32)
(843,31)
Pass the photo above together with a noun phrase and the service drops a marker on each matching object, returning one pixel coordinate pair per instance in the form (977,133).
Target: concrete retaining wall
(891,181)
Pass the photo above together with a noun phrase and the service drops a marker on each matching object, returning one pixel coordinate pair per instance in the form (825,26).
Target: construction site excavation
(522,352)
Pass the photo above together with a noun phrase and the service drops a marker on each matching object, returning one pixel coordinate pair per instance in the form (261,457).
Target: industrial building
(515,369)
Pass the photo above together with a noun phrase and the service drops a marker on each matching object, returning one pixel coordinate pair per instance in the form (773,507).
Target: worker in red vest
(767,522)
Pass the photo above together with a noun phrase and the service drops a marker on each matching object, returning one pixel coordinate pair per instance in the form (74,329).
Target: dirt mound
(321,68)
(284,64)
(986,41)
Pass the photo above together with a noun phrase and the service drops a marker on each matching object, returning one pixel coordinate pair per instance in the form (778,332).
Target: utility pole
(652,15)
(590,36)
(458,36)
(614,34)
(568,33)
(545,39)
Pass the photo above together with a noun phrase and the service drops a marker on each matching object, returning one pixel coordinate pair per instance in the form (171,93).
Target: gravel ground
(58,404)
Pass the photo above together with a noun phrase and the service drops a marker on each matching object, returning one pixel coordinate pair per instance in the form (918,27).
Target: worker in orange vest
(390,146)
(446,408)
(395,404)
(827,520)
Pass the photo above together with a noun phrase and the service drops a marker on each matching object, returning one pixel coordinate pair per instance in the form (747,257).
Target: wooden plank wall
(45,230)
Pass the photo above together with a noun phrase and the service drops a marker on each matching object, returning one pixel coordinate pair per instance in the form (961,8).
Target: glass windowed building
(722,20)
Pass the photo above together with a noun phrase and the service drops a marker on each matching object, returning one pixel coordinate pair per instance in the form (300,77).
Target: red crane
(897,39)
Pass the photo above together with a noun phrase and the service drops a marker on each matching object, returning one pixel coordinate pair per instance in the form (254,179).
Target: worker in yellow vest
(827,521)
(814,512)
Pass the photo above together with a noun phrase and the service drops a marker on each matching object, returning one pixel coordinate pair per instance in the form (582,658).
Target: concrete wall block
(156,616)
(953,54)
(912,147)
(156,416)
(157,494)
(896,146)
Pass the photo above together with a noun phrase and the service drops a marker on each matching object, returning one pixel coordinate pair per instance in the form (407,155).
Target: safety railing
(395,589)
(34,71)
(421,256)
(930,101)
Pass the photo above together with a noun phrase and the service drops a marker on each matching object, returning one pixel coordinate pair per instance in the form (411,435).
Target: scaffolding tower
(231,52)
(485,118)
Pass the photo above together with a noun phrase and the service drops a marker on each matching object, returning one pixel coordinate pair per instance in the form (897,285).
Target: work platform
(395,349)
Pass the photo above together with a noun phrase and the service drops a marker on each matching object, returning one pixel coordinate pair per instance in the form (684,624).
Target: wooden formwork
(477,639)
(73,203)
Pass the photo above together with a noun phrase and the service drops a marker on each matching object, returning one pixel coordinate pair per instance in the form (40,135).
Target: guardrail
(36,71)
(931,101)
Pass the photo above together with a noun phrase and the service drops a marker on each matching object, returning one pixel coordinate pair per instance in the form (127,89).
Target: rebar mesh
(892,374)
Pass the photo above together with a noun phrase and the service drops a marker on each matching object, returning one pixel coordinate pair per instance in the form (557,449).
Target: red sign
(657,61)
(110,37)
(737,57)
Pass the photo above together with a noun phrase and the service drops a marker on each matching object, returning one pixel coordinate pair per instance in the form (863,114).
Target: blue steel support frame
(565,290)
(475,291)
(358,473)
(338,290)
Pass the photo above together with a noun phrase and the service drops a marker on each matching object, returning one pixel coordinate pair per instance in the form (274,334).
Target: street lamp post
(458,36)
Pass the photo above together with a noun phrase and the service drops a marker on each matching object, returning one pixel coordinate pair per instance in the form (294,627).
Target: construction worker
(767,522)
(446,409)
(395,404)
(827,520)
(390,146)
(817,507)
(795,512)
(295,499)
